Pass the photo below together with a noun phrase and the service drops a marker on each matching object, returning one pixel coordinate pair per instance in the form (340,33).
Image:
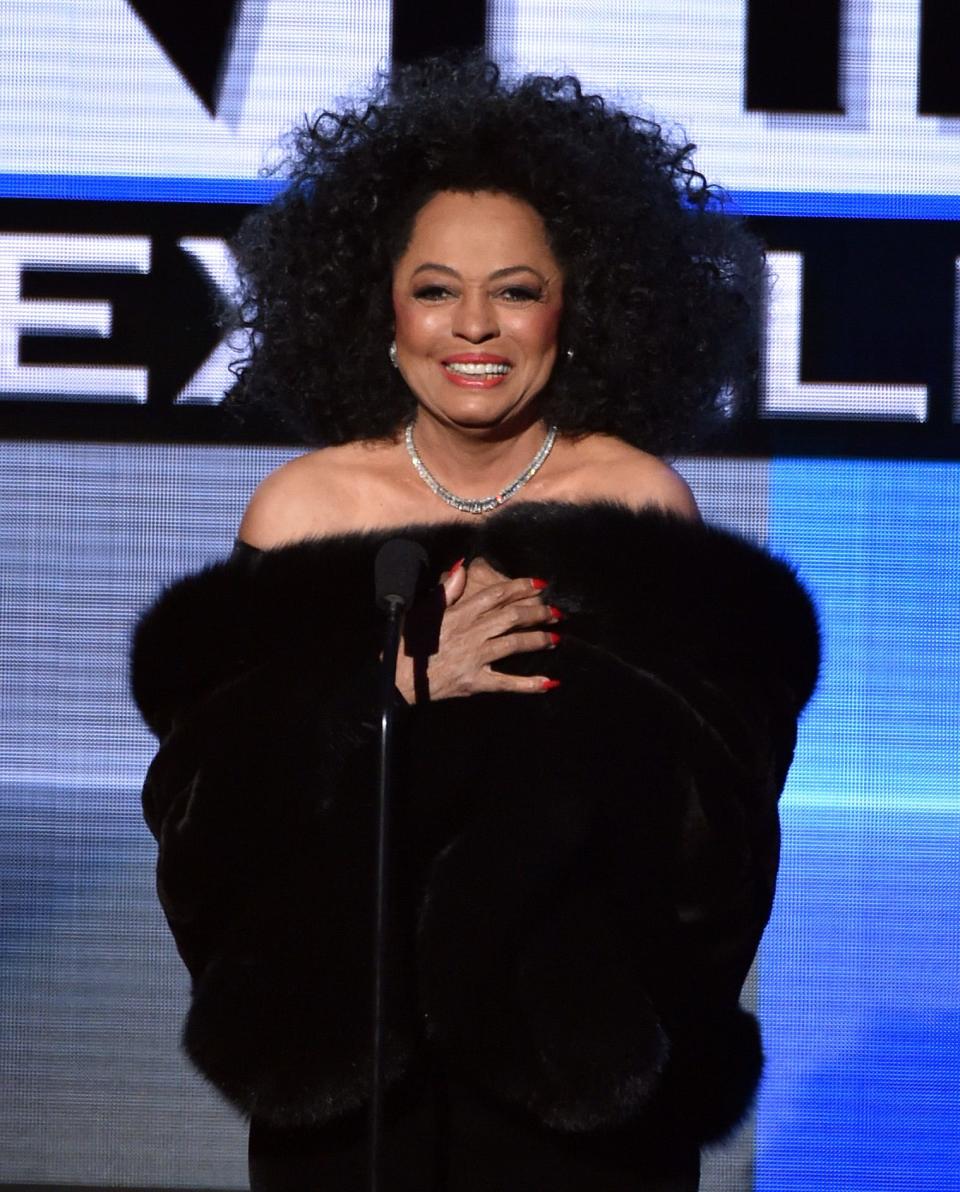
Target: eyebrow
(497,273)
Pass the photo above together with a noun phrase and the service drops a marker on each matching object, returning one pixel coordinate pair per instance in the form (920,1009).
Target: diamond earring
(392,353)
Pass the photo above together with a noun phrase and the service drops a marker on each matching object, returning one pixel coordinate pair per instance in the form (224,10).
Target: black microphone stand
(397,570)
(391,646)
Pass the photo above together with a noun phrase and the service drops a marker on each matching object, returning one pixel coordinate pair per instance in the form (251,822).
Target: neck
(475,462)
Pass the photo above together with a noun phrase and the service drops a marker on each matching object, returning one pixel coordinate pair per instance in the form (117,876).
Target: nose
(475,318)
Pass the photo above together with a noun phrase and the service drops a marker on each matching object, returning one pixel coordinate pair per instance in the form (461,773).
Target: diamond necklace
(480,504)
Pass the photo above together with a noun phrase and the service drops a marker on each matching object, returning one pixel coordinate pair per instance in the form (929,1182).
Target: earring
(569,354)
(392,353)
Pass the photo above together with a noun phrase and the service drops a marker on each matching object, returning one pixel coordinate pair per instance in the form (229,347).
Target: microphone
(396,571)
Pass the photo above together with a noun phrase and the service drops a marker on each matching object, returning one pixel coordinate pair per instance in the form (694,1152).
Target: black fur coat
(582,877)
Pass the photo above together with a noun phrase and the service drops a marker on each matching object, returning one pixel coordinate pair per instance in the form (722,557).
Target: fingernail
(555,613)
(555,638)
(456,567)
(539,584)
(549,684)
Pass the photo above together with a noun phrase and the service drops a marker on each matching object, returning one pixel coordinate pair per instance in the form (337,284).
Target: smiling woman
(600,693)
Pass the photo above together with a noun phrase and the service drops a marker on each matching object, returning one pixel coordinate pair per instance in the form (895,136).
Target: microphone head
(397,570)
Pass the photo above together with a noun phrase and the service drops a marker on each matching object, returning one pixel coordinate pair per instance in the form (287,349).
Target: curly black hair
(662,289)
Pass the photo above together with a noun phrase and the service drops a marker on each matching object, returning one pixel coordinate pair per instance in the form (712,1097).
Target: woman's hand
(485,617)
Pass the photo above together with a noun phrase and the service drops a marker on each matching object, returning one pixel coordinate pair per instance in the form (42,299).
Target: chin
(485,416)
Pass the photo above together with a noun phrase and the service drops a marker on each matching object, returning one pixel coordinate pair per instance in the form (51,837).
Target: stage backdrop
(131,144)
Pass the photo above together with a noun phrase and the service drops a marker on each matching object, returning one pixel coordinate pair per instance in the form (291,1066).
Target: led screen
(131,145)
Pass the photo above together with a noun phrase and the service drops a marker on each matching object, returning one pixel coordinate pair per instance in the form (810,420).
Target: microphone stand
(391,645)
(397,570)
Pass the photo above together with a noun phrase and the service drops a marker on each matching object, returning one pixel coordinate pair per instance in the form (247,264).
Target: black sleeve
(263,693)
(627,866)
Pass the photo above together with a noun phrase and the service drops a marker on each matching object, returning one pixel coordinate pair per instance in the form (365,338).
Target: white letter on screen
(213,378)
(66,316)
(784,395)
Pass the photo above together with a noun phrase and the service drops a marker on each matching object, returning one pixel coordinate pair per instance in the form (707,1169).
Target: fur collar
(656,589)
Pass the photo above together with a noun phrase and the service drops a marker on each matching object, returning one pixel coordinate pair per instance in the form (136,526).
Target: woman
(495,303)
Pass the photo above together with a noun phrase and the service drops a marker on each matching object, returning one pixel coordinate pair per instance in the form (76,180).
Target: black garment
(449,1137)
(582,877)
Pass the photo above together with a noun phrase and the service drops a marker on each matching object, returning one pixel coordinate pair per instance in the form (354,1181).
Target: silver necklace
(480,504)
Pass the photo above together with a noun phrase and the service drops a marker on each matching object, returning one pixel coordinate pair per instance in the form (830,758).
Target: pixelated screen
(130,148)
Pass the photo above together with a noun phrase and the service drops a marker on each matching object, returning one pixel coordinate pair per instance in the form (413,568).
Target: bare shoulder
(650,481)
(615,470)
(310,496)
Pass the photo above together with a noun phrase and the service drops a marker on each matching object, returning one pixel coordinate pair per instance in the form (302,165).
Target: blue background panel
(860,969)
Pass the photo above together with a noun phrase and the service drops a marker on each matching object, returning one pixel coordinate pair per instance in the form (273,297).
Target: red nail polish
(456,567)
(556,613)
(549,684)
(555,638)
(539,584)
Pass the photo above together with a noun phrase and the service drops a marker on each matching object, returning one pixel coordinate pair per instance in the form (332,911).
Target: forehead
(478,231)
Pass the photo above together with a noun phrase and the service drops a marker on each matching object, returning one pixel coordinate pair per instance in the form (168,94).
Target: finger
(520,614)
(516,614)
(481,575)
(454,583)
(484,571)
(505,592)
(518,643)
(517,684)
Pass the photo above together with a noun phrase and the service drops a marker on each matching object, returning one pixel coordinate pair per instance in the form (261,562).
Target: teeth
(476,370)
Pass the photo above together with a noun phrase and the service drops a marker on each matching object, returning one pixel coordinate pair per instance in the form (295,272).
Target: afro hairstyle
(663,289)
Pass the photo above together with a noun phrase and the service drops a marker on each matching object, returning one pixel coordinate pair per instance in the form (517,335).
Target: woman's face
(477,296)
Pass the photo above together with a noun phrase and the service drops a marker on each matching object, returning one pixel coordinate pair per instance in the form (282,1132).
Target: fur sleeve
(627,855)
(208,629)
(262,687)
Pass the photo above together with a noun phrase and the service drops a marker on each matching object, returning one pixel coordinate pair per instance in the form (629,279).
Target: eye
(521,294)
(431,293)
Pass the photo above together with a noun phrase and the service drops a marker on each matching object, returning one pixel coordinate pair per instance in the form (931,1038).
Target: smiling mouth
(476,370)
(464,368)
